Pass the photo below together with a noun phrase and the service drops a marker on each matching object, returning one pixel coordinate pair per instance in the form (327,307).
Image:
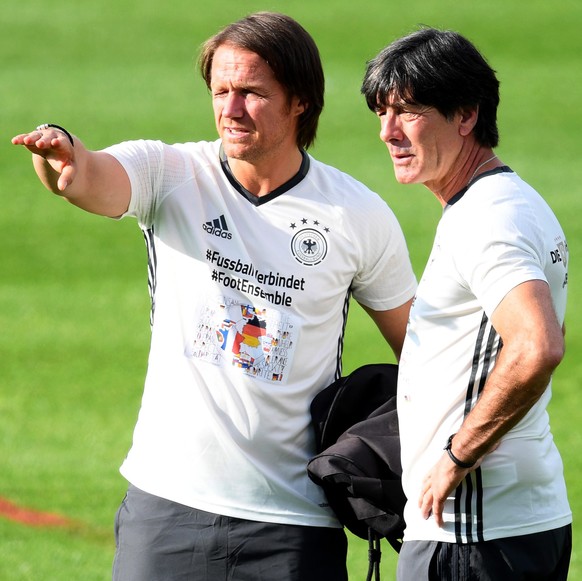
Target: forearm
(518,380)
(392,325)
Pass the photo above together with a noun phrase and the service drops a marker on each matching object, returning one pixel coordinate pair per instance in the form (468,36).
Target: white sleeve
(386,279)
(154,169)
(501,251)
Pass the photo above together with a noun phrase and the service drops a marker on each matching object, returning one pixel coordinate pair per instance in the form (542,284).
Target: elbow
(555,355)
(535,362)
(549,356)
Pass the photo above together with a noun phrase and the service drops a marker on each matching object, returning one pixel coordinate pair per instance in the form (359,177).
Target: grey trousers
(160,540)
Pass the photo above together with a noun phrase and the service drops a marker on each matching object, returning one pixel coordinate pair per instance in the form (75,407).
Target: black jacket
(358,460)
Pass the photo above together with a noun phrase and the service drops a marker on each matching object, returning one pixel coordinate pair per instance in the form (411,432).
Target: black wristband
(58,127)
(458,462)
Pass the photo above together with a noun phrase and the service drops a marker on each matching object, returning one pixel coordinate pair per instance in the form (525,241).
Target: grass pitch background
(73,294)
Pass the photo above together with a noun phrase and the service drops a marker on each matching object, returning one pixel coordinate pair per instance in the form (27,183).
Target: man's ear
(468,120)
(301,107)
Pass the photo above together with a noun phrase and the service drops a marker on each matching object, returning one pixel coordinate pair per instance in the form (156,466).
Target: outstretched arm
(93,180)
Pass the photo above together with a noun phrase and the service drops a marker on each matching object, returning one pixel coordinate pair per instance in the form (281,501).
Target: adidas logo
(217,227)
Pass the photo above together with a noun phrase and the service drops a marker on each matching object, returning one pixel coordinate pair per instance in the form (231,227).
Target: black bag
(358,460)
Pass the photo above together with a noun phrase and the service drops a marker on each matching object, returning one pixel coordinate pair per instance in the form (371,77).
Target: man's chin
(404,178)
(238,152)
(234,150)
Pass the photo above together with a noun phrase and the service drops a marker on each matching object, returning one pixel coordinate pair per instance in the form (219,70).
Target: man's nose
(390,126)
(233,105)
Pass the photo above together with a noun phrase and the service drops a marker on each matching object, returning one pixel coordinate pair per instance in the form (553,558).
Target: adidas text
(217,231)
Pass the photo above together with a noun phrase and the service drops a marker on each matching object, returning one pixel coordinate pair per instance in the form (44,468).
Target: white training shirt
(499,234)
(250,298)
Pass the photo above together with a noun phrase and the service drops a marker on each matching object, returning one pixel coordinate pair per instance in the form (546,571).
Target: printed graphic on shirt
(258,342)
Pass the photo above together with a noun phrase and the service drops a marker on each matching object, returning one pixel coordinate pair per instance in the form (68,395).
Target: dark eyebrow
(399,105)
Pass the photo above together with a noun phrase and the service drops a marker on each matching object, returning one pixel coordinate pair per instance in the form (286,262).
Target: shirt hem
(234,512)
(492,535)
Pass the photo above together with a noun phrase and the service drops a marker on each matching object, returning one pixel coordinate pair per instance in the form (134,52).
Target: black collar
(459,195)
(259,200)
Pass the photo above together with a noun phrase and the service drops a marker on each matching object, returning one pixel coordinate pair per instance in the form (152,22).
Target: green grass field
(73,294)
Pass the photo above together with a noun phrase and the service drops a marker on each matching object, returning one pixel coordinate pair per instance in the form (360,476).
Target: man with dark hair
(482,475)
(255,249)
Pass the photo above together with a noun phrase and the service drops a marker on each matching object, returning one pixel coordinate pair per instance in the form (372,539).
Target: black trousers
(538,557)
(159,540)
